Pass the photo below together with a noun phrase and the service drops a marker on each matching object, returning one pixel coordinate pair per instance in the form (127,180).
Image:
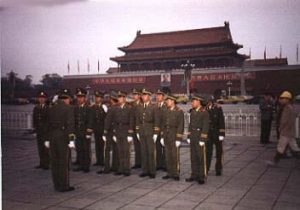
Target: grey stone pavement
(247,183)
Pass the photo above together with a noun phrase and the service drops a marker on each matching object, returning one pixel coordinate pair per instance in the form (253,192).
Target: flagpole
(88,66)
(265,53)
(98,66)
(78,67)
(280,52)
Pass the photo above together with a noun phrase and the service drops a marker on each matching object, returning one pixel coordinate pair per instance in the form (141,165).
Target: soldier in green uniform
(124,131)
(216,135)
(136,141)
(147,127)
(109,137)
(172,131)
(98,113)
(160,150)
(83,128)
(40,124)
(61,136)
(198,133)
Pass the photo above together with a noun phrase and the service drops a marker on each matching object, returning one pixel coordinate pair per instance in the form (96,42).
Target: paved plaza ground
(247,182)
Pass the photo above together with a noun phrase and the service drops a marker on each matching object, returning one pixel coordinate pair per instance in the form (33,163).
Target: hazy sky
(40,36)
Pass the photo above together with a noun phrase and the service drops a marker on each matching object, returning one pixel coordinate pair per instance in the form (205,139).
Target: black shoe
(143,174)
(218,173)
(201,181)
(77,169)
(86,170)
(45,168)
(127,174)
(189,179)
(68,189)
(38,166)
(176,178)
(136,166)
(152,176)
(117,173)
(166,177)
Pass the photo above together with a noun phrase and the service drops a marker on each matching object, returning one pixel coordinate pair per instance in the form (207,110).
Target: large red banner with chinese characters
(119,80)
(223,76)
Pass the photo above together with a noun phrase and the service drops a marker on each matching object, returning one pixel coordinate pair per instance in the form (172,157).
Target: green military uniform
(216,129)
(124,128)
(160,150)
(110,144)
(172,131)
(136,141)
(147,125)
(198,132)
(83,131)
(61,131)
(98,114)
(40,124)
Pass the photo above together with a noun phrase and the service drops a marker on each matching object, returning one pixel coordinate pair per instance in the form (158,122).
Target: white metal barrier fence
(16,120)
(236,123)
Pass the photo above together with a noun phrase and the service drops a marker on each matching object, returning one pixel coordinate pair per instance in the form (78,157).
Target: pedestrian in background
(287,129)
(266,107)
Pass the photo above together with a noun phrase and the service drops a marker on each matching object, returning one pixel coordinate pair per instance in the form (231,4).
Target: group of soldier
(155,129)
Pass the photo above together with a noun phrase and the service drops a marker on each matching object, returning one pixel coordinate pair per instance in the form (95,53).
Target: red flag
(68,67)
(265,53)
(98,66)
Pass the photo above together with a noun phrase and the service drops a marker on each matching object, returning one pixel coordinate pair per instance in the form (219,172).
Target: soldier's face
(170,103)
(159,97)
(195,104)
(121,99)
(98,99)
(81,99)
(136,97)
(41,100)
(67,101)
(146,98)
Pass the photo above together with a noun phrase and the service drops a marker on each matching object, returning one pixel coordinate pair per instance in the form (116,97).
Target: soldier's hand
(88,136)
(115,139)
(188,141)
(47,144)
(201,143)
(71,144)
(177,143)
(138,136)
(221,138)
(155,138)
(129,139)
(162,142)
(104,138)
